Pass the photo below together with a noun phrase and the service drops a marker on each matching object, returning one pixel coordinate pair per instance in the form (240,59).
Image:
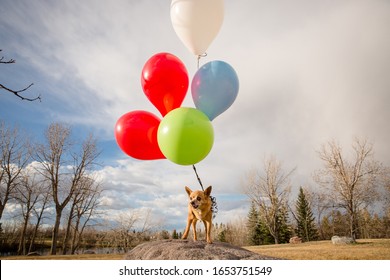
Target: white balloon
(197,22)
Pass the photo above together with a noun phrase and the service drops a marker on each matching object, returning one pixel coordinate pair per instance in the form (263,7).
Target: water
(46,251)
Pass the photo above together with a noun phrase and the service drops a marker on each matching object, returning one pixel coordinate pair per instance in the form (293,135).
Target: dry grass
(364,249)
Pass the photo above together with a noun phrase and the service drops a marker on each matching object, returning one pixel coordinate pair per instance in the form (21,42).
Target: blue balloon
(214,88)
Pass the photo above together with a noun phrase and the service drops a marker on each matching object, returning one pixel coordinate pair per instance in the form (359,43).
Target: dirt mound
(189,250)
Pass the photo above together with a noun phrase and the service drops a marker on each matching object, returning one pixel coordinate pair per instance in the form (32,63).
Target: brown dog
(199,208)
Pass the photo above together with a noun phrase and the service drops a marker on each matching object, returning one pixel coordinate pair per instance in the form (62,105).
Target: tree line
(52,189)
(49,176)
(346,204)
(353,200)
(54,179)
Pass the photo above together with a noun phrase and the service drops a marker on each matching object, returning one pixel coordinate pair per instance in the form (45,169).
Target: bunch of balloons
(184,135)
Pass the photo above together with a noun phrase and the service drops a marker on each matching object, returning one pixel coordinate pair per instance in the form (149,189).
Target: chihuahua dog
(199,208)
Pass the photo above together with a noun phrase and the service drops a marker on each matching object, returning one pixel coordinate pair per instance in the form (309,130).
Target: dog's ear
(188,190)
(208,191)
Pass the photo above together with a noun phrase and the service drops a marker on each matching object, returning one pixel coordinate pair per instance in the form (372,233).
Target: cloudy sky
(309,70)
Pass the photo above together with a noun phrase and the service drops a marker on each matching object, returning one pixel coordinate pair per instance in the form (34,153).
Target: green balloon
(185,136)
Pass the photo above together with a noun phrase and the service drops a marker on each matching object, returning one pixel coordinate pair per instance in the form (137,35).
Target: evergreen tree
(284,231)
(258,231)
(175,235)
(306,228)
(253,225)
(222,236)
(265,235)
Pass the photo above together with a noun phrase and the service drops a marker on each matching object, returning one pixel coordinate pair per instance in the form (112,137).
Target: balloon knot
(200,56)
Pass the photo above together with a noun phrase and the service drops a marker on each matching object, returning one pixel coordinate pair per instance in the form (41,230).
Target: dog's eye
(198,198)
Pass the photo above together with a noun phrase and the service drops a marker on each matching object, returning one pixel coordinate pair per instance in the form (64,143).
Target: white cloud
(309,71)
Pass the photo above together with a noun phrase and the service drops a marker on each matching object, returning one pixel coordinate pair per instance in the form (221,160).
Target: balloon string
(214,205)
(193,166)
(200,56)
(197,176)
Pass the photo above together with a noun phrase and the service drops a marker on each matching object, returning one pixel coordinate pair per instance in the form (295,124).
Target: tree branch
(6,62)
(17,92)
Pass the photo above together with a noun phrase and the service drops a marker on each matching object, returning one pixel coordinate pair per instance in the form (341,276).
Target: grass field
(364,249)
(367,249)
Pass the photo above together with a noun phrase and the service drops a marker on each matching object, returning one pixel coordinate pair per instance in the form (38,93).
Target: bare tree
(85,210)
(14,156)
(64,168)
(234,232)
(131,228)
(38,212)
(352,182)
(124,232)
(51,156)
(75,199)
(17,93)
(29,192)
(269,189)
(321,203)
(386,194)
(84,204)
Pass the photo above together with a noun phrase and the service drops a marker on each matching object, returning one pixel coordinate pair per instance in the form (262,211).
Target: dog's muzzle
(194,204)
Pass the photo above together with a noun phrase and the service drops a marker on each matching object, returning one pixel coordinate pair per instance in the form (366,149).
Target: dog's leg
(194,229)
(207,226)
(187,230)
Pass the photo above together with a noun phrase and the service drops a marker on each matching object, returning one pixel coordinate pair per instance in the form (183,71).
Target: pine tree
(175,235)
(253,225)
(222,236)
(258,232)
(284,231)
(265,235)
(306,228)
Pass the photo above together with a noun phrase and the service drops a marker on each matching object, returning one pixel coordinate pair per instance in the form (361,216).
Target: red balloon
(136,135)
(164,81)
